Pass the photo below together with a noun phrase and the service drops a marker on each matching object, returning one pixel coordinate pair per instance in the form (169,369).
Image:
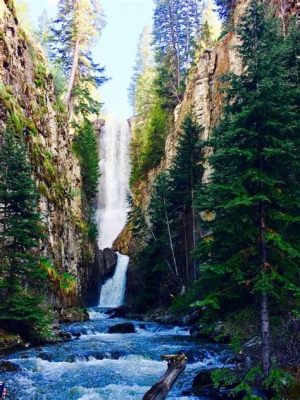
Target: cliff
(29,106)
(203,96)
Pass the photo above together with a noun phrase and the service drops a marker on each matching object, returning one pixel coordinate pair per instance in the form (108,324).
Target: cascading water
(113,291)
(112,202)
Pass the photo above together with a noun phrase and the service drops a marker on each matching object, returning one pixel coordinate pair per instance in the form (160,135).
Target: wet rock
(126,327)
(65,335)
(7,366)
(10,341)
(110,261)
(202,379)
(119,312)
(192,317)
(67,315)
(143,326)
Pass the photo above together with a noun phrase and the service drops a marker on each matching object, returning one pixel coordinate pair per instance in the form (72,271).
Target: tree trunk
(154,237)
(265,322)
(68,95)
(194,230)
(176,365)
(170,239)
(186,247)
(175,49)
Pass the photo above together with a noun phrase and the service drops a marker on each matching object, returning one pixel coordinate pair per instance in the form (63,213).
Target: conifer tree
(74,32)
(254,251)
(21,279)
(185,175)
(177,25)
(86,147)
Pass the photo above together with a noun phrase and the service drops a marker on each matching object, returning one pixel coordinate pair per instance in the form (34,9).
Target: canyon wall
(28,106)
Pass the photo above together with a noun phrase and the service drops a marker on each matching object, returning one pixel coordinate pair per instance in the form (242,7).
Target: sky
(117,46)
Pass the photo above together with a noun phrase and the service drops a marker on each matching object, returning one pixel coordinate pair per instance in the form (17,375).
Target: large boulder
(126,327)
(118,312)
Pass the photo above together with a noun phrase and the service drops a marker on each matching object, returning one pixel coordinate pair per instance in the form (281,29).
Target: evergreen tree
(21,279)
(74,32)
(86,147)
(177,26)
(254,187)
(185,175)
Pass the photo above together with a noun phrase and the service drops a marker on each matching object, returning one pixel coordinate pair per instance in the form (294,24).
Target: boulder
(126,327)
(119,312)
(72,314)
(202,379)
(7,366)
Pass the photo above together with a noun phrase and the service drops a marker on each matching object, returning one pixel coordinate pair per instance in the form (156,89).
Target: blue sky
(117,47)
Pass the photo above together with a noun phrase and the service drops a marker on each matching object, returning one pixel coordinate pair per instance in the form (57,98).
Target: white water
(113,203)
(114,182)
(113,291)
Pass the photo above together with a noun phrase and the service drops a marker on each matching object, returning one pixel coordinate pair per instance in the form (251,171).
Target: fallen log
(160,390)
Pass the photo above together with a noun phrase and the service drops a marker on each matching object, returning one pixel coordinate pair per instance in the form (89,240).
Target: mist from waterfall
(112,202)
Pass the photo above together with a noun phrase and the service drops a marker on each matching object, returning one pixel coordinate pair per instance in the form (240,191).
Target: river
(100,366)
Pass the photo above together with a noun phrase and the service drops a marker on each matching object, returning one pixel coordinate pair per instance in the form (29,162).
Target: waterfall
(112,202)
(113,291)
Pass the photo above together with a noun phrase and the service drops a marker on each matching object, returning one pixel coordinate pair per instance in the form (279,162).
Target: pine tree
(21,280)
(254,252)
(185,175)
(86,147)
(177,26)
(74,32)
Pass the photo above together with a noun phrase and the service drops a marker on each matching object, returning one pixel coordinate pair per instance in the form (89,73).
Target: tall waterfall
(112,202)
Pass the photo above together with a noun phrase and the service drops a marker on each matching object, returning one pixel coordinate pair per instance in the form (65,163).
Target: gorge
(175,232)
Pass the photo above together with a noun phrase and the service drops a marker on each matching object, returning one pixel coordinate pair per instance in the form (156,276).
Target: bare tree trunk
(68,95)
(174,45)
(283,9)
(194,231)
(154,237)
(176,365)
(186,247)
(265,322)
(170,238)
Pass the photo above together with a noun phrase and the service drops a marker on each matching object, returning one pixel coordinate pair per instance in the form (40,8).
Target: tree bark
(170,239)
(175,49)
(68,95)
(160,390)
(264,310)
(186,247)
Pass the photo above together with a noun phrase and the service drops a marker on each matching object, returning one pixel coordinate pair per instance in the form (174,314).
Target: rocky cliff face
(28,105)
(203,96)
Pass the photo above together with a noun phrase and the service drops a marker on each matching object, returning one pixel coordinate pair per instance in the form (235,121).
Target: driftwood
(160,390)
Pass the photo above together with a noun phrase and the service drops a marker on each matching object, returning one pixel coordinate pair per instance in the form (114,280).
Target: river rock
(10,341)
(126,327)
(73,314)
(202,379)
(119,312)
(7,366)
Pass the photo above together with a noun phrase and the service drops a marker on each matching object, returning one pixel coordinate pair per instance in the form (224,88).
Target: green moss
(62,284)
(40,75)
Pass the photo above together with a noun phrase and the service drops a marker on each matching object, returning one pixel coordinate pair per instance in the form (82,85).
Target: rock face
(29,106)
(104,267)
(203,96)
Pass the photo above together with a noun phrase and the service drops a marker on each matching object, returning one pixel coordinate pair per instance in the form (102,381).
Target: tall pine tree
(22,281)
